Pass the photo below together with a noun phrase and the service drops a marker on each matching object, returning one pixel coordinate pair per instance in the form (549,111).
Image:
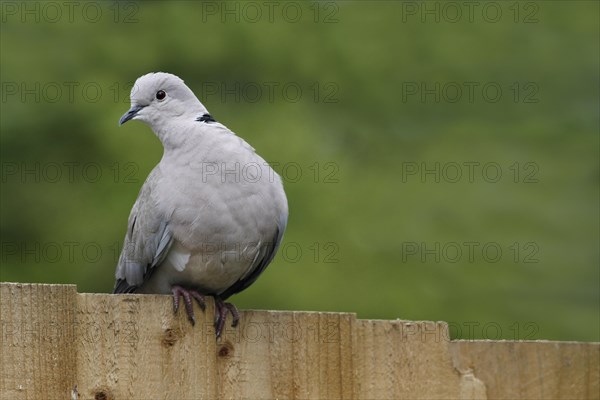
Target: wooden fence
(59,344)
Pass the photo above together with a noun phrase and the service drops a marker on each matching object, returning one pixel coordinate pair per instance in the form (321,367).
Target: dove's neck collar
(176,133)
(206,117)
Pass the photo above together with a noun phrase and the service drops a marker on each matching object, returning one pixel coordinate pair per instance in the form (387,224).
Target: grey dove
(210,216)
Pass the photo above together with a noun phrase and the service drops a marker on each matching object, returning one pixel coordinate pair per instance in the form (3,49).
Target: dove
(211,214)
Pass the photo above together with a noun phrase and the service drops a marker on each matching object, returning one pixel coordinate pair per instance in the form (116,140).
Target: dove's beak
(130,114)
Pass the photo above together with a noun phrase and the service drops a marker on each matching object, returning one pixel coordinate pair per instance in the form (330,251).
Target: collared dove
(209,217)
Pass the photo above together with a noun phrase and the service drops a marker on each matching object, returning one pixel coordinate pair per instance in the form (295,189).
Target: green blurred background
(353,102)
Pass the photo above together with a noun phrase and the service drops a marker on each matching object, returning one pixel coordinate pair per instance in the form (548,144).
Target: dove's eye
(160,95)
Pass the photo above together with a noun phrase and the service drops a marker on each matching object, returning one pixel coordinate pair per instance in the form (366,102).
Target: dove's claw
(221,308)
(221,311)
(187,301)
(199,298)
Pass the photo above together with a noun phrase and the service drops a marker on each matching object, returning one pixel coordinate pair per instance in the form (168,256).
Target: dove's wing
(147,241)
(261,261)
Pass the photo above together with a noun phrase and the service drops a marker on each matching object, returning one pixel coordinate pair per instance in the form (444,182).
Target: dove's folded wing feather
(147,241)
(264,257)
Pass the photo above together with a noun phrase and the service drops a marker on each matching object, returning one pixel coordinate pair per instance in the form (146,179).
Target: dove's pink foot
(221,311)
(187,300)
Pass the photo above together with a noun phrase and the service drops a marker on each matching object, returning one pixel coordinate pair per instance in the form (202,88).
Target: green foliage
(364,222)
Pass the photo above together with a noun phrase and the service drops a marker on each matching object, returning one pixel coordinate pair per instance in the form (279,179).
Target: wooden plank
(403,359)
(287,355)
(37,343)
(532,369)
(135,347)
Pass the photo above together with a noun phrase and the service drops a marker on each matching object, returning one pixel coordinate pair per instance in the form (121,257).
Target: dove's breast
(225,206)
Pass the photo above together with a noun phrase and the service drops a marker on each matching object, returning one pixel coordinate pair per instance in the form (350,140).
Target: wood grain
(135,347)
(38,349)
(532,369)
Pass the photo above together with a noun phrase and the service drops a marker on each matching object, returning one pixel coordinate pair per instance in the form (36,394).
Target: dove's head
(157,98)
